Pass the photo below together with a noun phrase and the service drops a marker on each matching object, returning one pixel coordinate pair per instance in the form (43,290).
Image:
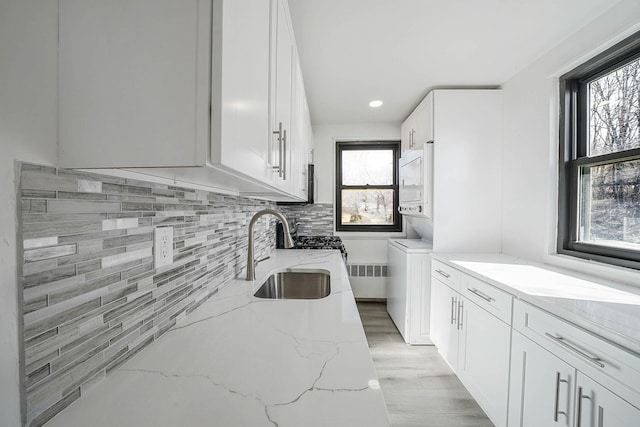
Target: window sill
(370,235)
(623,275)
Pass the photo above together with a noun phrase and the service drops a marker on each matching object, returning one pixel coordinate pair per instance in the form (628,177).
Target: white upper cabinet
(301,137)
(189,91)
(417,129)
(240,81)
(133,83)
(283,57)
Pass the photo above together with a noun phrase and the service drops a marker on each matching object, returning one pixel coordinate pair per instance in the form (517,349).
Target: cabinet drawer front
(607,363)
(492,299)
(446,274)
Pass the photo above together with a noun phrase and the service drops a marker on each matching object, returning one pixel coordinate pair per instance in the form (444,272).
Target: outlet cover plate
(163,246)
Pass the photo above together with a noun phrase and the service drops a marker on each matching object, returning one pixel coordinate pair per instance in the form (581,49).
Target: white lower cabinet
(483,359)
(473,340)
(559,372)
(444,326)
(527,367)
(542,385)
(597,406)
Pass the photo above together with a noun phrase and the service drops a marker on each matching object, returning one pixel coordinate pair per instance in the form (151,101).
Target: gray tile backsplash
(313,220)
(92,297)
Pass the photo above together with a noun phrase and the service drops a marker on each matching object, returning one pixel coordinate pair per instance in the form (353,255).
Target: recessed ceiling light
(375,104)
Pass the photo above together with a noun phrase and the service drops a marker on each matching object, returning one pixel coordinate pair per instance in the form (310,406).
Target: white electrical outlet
(163,246)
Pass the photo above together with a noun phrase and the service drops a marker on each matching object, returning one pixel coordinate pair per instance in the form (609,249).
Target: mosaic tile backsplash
(313,220)
(92,297)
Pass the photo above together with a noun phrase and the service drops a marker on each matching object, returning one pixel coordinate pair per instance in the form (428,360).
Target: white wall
(28,132)
(530,138)
(324,154)
(361,247)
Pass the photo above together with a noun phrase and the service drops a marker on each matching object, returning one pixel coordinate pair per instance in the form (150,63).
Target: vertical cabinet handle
(283,156)
(279,133)
(579,408)
(460,312)
(556,411)
(453,310)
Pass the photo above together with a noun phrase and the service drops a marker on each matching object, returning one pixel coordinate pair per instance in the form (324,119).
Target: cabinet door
(133,83)
(444,321)
(483,361)
(283,58)
(300,138)
(406,134)
(424,120)
(542,386)
(597,406)
(240,120)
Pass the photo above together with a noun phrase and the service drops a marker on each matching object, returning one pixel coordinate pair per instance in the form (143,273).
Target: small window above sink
(296,284)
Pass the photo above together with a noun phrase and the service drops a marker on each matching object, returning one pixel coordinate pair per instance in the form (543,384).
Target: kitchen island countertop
(239,360)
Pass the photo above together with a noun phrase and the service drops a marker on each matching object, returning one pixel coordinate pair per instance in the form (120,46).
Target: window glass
(367,167)
(610,204)
(599,176)
(614,101)
(367,207)
(367,186)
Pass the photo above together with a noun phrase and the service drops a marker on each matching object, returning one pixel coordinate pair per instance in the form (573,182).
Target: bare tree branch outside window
(610,207)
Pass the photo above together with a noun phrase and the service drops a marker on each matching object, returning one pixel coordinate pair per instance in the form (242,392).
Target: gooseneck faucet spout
(288,241)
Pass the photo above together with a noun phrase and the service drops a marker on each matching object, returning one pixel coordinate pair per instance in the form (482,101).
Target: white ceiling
(354,51)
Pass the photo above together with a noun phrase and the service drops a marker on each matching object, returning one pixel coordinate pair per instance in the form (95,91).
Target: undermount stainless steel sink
(296,284)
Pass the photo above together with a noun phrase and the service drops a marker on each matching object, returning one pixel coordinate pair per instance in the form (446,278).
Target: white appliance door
(397,289)
(411,180)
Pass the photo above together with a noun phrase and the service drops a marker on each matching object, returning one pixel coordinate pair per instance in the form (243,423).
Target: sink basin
(296,284)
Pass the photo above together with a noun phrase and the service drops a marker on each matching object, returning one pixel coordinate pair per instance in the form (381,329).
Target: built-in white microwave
(416,182)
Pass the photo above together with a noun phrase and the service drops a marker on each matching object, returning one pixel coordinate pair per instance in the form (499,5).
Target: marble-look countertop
(243,361)
(607,309)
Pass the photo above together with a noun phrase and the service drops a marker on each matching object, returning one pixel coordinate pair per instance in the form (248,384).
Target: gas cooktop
(320,242)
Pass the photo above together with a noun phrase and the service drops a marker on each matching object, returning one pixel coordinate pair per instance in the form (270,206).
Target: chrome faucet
(288,241)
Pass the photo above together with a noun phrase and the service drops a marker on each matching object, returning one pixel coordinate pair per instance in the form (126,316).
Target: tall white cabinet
(465,127)
(188,92)
(467,181)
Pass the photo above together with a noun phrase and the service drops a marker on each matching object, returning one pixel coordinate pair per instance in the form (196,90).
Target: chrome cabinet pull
(443,273)
(481,294)
(279,133)
(563,342)
(556,411)
(460,312)
(283,157)
(579,409)
(453,310)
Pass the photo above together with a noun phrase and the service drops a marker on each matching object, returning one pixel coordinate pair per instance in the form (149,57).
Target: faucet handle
(255,263)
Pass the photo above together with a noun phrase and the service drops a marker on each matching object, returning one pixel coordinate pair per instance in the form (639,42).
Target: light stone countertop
(607,309)
(243,361)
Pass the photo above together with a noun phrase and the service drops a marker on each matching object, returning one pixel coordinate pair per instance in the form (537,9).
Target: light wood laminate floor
(419,387)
